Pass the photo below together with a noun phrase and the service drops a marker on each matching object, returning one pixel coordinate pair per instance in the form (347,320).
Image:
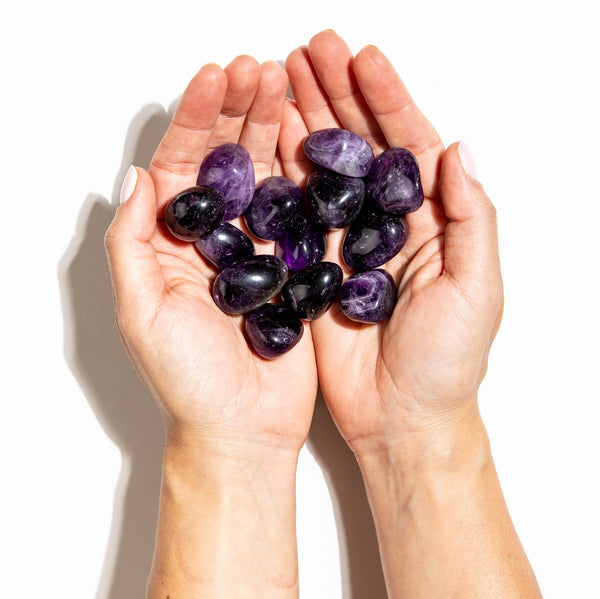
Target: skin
(403,393)
(232,436)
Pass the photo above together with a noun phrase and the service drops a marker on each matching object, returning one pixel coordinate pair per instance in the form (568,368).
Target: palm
(355,361)
(208,376)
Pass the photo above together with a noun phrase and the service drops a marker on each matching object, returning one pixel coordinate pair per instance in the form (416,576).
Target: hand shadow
(120,402)
(129,417)
(362,575)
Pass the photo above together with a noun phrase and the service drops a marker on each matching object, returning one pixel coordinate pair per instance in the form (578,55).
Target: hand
(210,387)
(420,370)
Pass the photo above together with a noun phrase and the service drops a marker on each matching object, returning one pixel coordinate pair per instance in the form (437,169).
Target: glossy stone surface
(339,150)
(394,182)
(194,212)
(334,200)
(272,330)
(310,292)
(302,244)
(229,170)
(249,283)
(368,296)
(225,245)
(275,201)
(373,239)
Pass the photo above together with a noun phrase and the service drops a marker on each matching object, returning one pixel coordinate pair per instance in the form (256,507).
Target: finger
(263,121)
(311,99)
(243,77)
(471,238)
(401,122)
(296,166)
(134,269)
(177,159)
(332,62)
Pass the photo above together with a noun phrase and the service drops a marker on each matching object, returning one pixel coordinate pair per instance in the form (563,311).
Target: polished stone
(394,182)
(334,200)
(310,292)
(302,244)
(249,283)
(194,212)
(339,150)
(373,239)
(273,330)
(275,201)
(225,245)
(230,170)
(368,296)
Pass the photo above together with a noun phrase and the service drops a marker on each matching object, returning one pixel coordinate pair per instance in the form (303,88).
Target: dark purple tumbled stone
(310,292)
(368,296)
(394,182)
(225,245)
(273,330)
(249,283)
(229,169)
(275,201)
(339,150)
(373,239)
(194,212)
(302,244)
(334,200)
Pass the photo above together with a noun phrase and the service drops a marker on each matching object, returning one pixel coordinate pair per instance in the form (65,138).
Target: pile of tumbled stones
(347,188)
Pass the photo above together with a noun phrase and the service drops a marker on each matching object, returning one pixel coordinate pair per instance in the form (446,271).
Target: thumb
(471,239)
(134,269)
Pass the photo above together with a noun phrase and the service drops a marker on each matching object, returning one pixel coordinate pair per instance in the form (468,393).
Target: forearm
(226,527)
(443,526)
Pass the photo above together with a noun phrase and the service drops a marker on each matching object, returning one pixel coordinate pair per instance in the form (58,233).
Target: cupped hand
(420,370)
(208,384)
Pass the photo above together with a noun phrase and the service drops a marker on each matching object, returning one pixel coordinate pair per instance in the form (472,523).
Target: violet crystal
(310,292)
(273,330)
(394,182)
(368,296)
(229,169)
(249,283)
(194,212)
(302,244)
(339,150)
(275,201)
(334,200)
(225,245)
(373,238)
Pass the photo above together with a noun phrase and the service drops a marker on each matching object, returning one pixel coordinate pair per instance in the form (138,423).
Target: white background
(85,90)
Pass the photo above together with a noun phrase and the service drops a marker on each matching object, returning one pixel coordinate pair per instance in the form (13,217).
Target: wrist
(226,524)
(430,451)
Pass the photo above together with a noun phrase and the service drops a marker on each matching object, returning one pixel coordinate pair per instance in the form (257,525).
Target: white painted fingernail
(467,160)
(129,183)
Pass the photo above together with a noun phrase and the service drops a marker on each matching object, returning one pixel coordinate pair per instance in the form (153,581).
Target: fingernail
(467,160)
(129,183)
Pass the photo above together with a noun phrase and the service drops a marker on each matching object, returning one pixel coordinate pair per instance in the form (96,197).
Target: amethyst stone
(373,239)
(249,283)
(339,150)
(229,169)
(194,212)
(225,245)
(334,200)
(368,296)
(276,200)
(273,330)
(302,244)
(394,182)
(310,292)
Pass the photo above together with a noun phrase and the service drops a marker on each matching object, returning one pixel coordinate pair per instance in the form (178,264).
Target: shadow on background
(129,417)
(362,576)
